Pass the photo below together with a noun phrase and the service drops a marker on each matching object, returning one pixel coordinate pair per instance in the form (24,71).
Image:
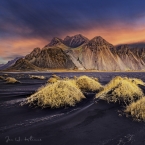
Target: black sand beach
(90,122)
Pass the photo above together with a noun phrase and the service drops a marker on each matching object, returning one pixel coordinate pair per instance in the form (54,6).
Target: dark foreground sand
(88,123)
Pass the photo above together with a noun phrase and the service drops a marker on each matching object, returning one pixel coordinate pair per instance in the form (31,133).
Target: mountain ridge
(95,54)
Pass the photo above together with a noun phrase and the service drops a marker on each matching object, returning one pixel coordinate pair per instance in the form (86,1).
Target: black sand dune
(88,123)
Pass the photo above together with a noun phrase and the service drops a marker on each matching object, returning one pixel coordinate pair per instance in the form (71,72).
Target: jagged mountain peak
(75,41)
(54,41)
(36,50)
(99,42)
(99,39)
(75,36)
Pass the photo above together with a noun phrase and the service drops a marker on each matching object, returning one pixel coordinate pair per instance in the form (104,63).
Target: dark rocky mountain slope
(23,65)
(52,58)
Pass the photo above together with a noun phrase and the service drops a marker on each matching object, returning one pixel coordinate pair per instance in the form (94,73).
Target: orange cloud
(121,36)
(12,47)
(116,35)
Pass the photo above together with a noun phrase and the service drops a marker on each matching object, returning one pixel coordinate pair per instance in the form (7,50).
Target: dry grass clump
(52,80)
(55,76)
(137,109)
(96,79)
(11,80)
(75,77)
(59,94)
(73,83)
(120,90)
(2,78)
(137,81)
(66,78)
(5,75)
(86,83)
(37,77)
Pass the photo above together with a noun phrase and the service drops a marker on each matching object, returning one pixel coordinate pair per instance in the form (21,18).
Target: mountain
(137,45)
(130,58)
(79,52)
(139,52)
(96,55)
(9,63)
(75,41)
(23,65)
(55,41)
(52,58)
(34,54)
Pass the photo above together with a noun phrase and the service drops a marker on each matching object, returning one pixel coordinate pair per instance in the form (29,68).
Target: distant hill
(137,45)
(1,65)
(9,63)
(23,65)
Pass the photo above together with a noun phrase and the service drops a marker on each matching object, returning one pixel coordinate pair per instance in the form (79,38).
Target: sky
(26,24)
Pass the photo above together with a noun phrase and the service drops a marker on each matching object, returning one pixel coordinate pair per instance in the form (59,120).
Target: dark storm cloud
(48,18)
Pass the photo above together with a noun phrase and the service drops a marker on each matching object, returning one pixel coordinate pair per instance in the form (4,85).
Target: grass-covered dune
(37,77)
(11,80)
(121,89)
(59,94)
(137,109)
(86,83)
(54,78)
(62,92)
(2,78)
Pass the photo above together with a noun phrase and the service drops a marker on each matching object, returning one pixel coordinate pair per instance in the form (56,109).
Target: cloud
(38,21)
(46,19)
(15,47)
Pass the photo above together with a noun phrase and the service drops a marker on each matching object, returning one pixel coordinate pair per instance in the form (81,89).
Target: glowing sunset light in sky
(27,24)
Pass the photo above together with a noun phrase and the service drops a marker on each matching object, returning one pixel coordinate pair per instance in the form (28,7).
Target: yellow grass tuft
(96,79)
(86,83)
(75,77)
(2,78)
(66,78)
(11,80)
(120,90)
(55,76)
(137,81)
(5,75)
(137,109)
(52,80)
(58,94)
(37,77)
